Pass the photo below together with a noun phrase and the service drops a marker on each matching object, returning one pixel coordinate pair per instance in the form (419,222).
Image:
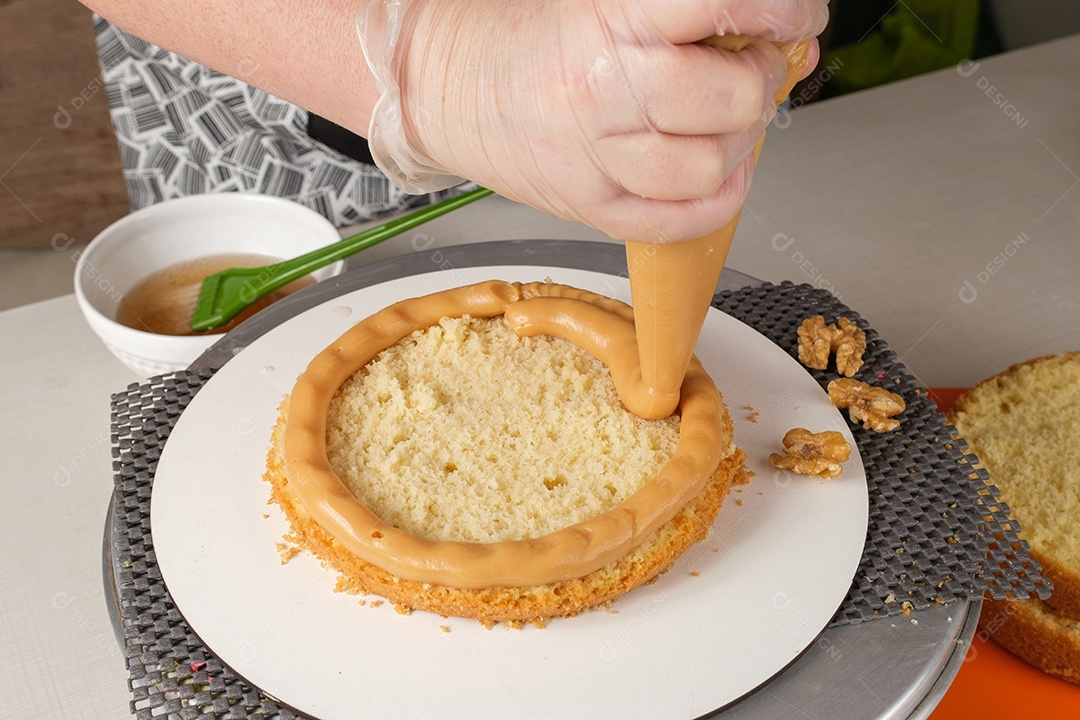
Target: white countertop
(943,209)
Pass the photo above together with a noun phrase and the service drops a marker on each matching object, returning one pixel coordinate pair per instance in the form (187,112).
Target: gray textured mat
(937,532)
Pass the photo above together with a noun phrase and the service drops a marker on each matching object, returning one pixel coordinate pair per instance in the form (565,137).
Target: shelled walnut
(815,454)
(849,344)
(817,341)
(873,407)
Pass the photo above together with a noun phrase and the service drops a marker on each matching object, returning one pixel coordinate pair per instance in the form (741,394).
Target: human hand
(614,113)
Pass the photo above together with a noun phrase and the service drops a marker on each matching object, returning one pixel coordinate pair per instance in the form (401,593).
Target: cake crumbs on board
(286,552)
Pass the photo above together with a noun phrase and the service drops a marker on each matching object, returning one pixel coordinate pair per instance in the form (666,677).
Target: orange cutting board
(994,683)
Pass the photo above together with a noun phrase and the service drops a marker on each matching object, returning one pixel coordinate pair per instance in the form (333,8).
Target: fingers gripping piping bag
(641,118)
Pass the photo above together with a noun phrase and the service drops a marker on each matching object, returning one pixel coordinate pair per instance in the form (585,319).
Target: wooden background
(60,175)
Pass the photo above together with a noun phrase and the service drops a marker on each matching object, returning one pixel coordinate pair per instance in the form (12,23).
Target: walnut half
(817,341)
(815,454)
(849,344)
(872,406)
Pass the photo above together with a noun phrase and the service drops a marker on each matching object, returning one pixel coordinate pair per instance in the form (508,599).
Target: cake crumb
(265,516)
(694,573)
(539,623)
(402,609)
(751,414)
(445,628)
(362,603)
(906,607)
(376,603)
(738,501)
(287,552)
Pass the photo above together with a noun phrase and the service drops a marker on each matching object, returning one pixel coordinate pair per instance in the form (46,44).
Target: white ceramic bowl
(177,231)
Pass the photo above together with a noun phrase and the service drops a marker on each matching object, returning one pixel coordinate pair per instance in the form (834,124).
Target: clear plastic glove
(614,113)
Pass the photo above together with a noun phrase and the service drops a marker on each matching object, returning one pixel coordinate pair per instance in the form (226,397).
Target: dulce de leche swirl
(602,326)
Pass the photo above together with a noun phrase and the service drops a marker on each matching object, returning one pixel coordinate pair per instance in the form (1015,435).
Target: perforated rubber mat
(937,530)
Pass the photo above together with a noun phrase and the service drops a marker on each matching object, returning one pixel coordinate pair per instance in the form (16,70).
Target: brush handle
(286,271)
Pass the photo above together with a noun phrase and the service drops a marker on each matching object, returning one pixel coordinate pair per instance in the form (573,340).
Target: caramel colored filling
(602,326)
(651,363)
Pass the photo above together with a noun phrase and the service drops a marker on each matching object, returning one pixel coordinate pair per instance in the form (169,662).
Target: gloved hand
(609,112)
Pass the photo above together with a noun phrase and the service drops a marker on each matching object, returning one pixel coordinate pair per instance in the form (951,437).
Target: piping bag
(672,284)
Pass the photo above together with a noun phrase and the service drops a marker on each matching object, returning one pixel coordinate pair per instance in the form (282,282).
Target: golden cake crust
(1033,631)
(507,604)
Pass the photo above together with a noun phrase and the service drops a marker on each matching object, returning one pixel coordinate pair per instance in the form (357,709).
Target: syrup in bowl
(163,302)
